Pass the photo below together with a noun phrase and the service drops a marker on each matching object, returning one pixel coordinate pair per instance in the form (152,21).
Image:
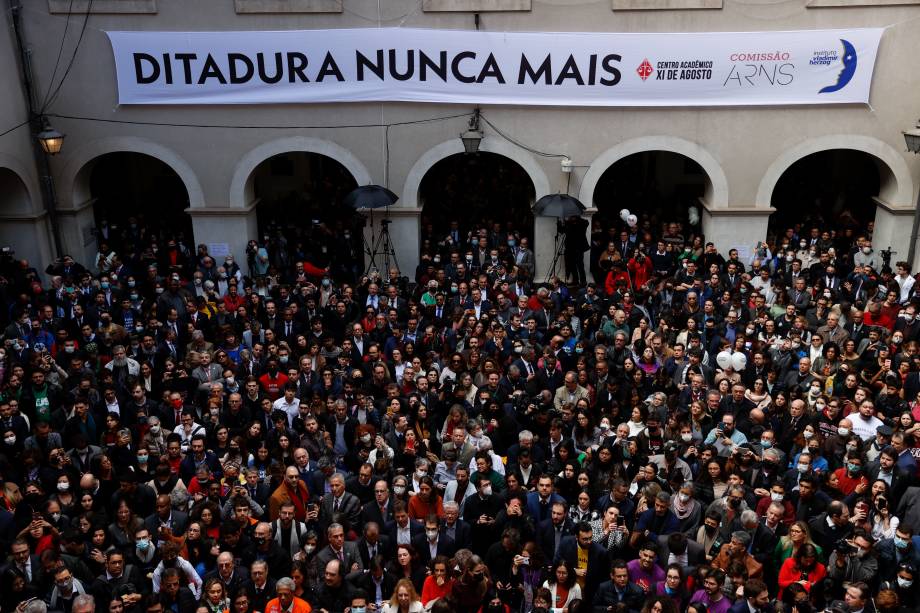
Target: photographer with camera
(852,560)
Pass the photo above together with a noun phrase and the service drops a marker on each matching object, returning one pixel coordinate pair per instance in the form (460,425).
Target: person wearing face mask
(851,475)
(902,549)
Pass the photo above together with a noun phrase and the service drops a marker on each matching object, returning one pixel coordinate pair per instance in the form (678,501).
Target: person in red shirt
(640,269)
(850,476)
(273,381)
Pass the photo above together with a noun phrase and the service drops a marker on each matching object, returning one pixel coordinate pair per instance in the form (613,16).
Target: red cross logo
(645,70)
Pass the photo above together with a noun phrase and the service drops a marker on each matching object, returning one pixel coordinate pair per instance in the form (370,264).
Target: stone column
(738,228)
(29,235)
(892,230)
(220,227)
(76,227)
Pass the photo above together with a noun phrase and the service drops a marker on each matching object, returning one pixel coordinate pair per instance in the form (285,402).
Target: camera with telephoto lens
(843,547)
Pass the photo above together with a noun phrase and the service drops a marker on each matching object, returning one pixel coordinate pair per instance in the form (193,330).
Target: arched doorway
(14,243)
(832,189)
(657,186)
(300,211)
(137,195)
(476,190)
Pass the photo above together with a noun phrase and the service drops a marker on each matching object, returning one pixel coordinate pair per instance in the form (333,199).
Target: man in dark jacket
(569,549)
(618,590)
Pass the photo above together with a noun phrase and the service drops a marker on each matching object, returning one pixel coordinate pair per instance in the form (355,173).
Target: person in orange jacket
(286,601)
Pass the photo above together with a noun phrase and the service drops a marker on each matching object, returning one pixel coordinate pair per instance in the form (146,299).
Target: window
(288,6)
(104,6)
(665,5)
(478,6)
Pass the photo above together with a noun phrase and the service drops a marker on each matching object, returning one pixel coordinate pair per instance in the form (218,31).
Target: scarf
(681,510)
(300,503)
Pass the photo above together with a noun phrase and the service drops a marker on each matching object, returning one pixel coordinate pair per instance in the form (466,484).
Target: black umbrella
(558,205)
(370,197)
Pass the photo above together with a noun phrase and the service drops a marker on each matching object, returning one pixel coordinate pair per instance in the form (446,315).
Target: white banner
(516,68)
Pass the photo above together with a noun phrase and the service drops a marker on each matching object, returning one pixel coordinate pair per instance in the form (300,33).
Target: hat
(884,430)
(670,447)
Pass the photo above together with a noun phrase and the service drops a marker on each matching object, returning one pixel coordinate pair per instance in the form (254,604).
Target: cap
(884,430)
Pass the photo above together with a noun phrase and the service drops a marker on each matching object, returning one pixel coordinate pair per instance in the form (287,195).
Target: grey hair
(742,537)
(748,517)
(450,504)
(737,488)
(285,582)
(525,435)
(35,606)
(84,600)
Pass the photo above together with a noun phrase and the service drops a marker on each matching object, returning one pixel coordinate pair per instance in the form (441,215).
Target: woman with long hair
(438,583)
(214,596)
(797,536)
(674,586)
(711,483)
(802,568)
(688,510)
(562,586)
(406,566)
(405,599)
(610,532)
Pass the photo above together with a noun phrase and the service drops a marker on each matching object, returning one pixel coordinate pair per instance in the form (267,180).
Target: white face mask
(803,468)
(776,497)
(431,534)
(366,438)
(902,582)
(399,490)
(808,434)
(487,490)
(843,431)
(63,487)
(9,440)
(686,437)
(308,549)
(683,498)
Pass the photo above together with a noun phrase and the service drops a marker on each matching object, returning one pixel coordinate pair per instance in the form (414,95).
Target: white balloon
(739,361)
(724,359)
(624,213)
(631,221)
(693,215)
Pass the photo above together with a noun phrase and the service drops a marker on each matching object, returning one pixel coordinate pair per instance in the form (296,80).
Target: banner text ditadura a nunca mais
(515,68)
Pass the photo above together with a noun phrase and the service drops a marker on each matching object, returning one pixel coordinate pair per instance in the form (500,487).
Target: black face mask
(734,503)
(710,530)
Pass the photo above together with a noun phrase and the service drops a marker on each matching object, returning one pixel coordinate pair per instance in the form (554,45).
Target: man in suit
(580,547)
(677,548)
(756,598)
(340,502)
(455,528)
(339,549)
(458,490)
(570,391)
(173,593)
(480,512)
(618,590)
(22,558)
(261,586)
(380,509)
(232,576)
(377,584)
(831,526)
(799,296)
(166,517)
(403,530)
(540,502)
(465,451)
(373,544)
(552,530)
(433,543)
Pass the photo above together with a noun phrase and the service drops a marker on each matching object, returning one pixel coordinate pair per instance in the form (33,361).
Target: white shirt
(403,535)
(866,429)
(291,408)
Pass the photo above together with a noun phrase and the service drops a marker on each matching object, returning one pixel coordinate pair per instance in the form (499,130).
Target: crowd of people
(667,428)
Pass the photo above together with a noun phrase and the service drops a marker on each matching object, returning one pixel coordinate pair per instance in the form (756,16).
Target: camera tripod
(560,249)
(380,245)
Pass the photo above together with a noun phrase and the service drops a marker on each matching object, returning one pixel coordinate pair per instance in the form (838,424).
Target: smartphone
(410,444)
(621,521)
(721,426)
